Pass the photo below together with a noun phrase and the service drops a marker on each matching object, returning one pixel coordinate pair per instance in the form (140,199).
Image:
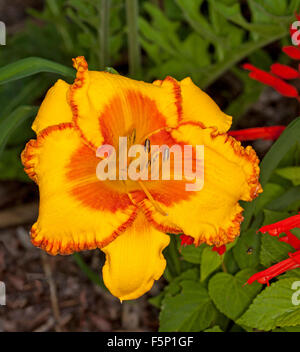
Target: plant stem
(95,278)
(217,70)
(133,38)
(104,33)
(173,268)
(224,266)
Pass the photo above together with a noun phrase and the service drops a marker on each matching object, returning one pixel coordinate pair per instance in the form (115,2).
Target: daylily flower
(128,220)
(293,262)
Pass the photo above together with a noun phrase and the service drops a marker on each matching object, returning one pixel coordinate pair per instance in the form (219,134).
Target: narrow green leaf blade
(13,120)
(31,66)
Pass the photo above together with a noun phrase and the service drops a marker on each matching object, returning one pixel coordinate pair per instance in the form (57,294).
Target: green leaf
(273,308)
(291,173)
(270,216)
(111,70)
(191,253)
(229,294)
(11,167)
(284,143)
(210,261)
(246,252)
(271,192)
(288,138)
(13,120)
(230,263)
(272,250)
(214,329)
(174,287)
(288,201)
(171,254)
(288,329)
(190,310)
(295,273)
(31,66)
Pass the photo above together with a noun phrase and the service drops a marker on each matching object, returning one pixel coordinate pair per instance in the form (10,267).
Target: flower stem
(224,266)
(95,278)
(133,38)
(104,33)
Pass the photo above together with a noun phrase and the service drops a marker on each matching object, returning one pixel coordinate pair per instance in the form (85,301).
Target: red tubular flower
(265,276)
(279,72)
(282,226)
(220,250)
(186,240)
(248,134)
(271,80)
(293,262)
(284,71)
(291,240)
(292,51)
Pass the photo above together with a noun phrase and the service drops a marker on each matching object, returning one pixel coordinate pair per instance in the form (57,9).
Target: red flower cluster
(293,261)
(188,240)
(276,78)
(279,72)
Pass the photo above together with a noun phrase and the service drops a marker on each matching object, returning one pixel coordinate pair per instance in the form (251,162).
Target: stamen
(167,129)
(133,135)
(147,145)
(153,202)
(131,138)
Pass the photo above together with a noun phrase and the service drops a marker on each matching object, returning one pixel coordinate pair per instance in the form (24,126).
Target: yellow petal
(77,211)
(55,108)
(104,98)
(199,107)
(213,214)
(134,260)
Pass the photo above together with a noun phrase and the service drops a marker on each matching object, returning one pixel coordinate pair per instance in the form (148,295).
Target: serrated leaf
(295,273)
(273,308)
(229,294)
(174,287)
(191,310)
(210,261)
(272,250)
(246,252)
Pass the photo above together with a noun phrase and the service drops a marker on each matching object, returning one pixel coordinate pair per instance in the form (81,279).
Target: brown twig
(53,294)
